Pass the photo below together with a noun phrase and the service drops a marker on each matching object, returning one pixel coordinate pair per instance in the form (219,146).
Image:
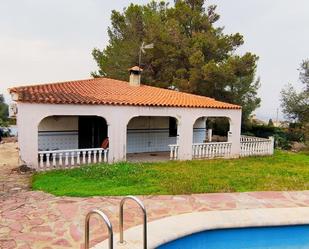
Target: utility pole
(277,118)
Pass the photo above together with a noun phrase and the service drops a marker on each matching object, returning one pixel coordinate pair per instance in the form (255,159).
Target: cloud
(32,61)
(277,32)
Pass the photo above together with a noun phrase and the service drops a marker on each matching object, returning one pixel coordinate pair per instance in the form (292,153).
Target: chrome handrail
(107,223)
(141,205)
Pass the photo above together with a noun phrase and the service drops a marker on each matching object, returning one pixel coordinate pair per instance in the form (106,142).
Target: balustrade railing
(59,159)
(255,146)
(244,138)
(174,151)
(211,150)
(249,146)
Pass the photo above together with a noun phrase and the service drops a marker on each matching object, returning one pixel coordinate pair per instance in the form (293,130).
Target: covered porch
(66,136)
(66,141)
(149,137)
(70,141)
(213,138)
(157,139)
(64,124)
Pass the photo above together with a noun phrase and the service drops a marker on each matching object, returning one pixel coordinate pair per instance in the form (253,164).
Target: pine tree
(189,53)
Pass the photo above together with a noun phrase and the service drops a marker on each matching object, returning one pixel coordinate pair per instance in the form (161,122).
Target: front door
(92,131)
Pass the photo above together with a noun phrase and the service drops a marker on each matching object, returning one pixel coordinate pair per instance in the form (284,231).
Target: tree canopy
(4,111)
(270,122)
(296,104)
(189,54)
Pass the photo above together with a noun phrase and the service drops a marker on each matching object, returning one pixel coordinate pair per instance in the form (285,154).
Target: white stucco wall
(199,130)
(58,133)
(117,117)
(59,123)
(149,122)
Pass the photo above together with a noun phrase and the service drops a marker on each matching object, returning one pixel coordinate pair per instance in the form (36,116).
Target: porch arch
(151,136)
(211,137)
(211,129)
(67,132)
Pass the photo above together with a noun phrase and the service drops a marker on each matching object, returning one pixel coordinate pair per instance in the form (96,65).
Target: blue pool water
(283,237)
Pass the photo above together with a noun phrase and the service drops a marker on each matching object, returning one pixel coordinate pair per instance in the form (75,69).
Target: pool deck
(33,219)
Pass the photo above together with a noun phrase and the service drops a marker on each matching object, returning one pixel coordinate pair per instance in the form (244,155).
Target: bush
(260,130)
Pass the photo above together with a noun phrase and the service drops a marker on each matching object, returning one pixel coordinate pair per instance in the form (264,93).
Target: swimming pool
(283,237)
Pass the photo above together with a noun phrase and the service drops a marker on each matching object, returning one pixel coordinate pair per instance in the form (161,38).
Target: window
(172,127)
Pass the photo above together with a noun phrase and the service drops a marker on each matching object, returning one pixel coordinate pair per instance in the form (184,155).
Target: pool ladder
(109,224)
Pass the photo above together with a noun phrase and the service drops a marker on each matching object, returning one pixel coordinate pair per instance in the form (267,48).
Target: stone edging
(170,228)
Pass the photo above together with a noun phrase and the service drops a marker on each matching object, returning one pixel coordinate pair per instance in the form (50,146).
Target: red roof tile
(104,91)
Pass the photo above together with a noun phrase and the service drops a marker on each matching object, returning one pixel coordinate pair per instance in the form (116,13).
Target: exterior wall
(149,134)
(199,130)
(58,133)
(117,117)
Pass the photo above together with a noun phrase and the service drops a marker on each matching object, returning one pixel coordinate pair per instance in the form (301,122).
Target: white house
(64,124)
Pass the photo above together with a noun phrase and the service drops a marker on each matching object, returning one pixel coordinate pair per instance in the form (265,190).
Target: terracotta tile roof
(104,91)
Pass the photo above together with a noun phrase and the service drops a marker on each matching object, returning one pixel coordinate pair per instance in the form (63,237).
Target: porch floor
(148,157)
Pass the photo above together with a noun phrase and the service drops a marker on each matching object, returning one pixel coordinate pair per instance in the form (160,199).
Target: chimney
(135,76)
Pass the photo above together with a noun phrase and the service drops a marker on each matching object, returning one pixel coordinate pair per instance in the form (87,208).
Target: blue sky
(52,40)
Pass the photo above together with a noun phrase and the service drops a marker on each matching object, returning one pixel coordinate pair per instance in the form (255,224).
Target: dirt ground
(11,180)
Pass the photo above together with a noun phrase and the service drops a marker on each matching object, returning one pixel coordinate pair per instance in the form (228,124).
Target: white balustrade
(256,146)
(211,150)
(244,138)
(174,151)
(89,157)
(71,158)
(249,146)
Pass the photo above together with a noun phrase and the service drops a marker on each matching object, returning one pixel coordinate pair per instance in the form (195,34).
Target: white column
(272,145)
(235,129)
(185,132)
(117,134)
(205,125)
(27,125)
(209,134)
(229,136)
(112,142)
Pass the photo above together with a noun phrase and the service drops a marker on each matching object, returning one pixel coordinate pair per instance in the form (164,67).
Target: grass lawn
(283,171)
